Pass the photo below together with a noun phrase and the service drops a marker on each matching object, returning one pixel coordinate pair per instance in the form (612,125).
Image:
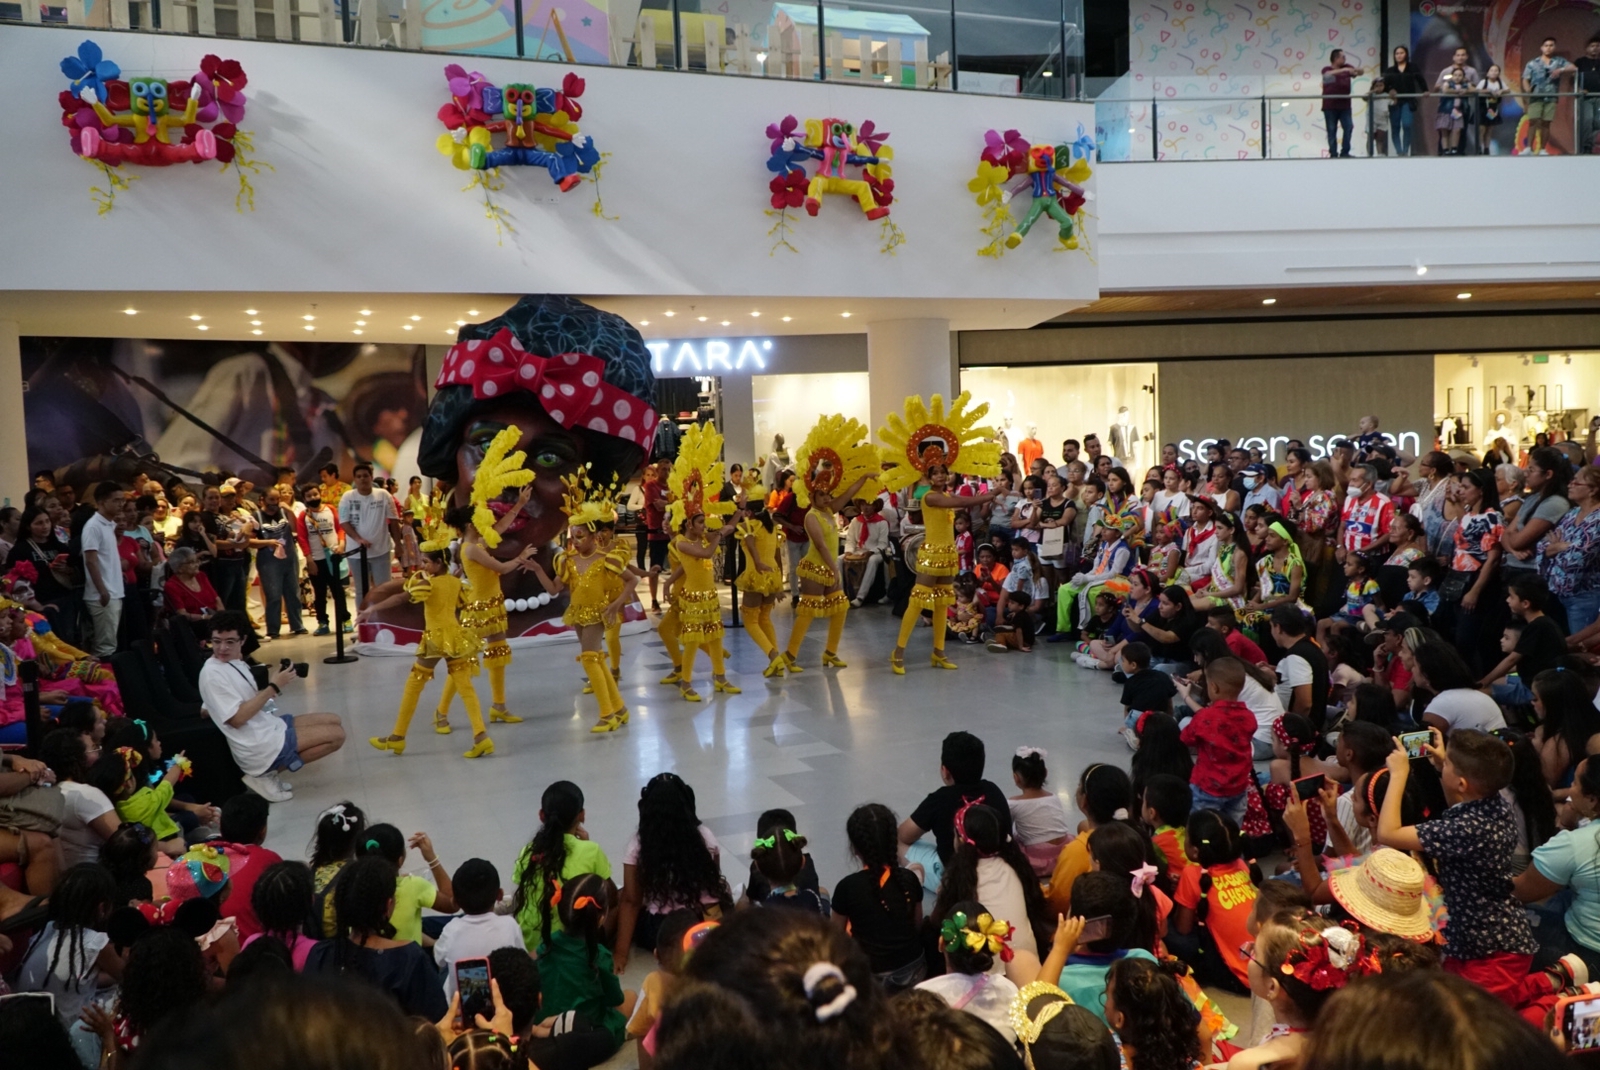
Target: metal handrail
(1353,95)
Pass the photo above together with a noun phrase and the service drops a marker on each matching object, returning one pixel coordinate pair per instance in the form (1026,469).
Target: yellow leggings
(803,614)
(614,646)
(713,649)
(758,624)
(459,676)
(670,629)
(495,659)
(605,688)
(936,599)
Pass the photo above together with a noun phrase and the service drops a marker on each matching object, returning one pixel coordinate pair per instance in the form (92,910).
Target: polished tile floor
(820,743)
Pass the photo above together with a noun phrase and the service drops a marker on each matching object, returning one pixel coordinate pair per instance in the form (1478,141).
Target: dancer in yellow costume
(591,575)
(442,596)
(484,613)
(762,583)
(627,578)
(670,627)
(928,442)
(834,464)
(695,594)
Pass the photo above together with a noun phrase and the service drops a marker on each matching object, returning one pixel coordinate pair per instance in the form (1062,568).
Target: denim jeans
(280,589)
(1511,691)
(1232,807)
(1333,121)
(1582,608)
(1401,115)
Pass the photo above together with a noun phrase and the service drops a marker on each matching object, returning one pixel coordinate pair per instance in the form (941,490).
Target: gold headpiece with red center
(698,466)
(928,435)
(836,453)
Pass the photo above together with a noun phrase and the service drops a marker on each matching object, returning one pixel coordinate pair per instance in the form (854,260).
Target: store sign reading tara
(707,356)
(1319,445)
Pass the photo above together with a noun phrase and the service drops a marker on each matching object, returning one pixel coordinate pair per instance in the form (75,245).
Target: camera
(300,667)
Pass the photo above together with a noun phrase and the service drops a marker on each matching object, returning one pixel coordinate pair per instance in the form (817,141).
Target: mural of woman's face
(552,452)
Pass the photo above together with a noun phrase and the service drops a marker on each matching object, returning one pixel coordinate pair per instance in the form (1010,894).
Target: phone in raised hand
(472,981)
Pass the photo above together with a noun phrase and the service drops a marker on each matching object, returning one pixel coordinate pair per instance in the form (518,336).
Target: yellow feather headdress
(436,534)
(696,477)
(585,502)
(499,469)
(929,434)
(836,453)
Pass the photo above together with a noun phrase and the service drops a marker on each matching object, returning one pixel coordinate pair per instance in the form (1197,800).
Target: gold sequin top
(586,589)
(485,609)
(813,566)
(442,634)
(937,556)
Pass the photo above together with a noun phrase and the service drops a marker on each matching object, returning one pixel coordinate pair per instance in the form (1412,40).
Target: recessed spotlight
(1464,297)
(361,323)
(251,312)
(450,331)
(256,331)
(702,319)
(130,312)
(1269,300)
(472,312)
(669,312)
(358,330)
(726,323)
(197,317)
(255,323)
(755,313)
(405,326)
(203,327)
(786,319)
(309,327)
(644,323)
(846,315)
(1422,269)
(414,319)
(366,312)
(461,323)
(308,317)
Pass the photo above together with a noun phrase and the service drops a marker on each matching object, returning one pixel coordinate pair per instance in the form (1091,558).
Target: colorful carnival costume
(836,461)
(443,636)
(594,580)
(1275,582)
(925,437)
(1114,559)
(695,595)
(762,549)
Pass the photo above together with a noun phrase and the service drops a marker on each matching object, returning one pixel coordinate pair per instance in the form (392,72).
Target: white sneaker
(284,784)
(1131,738)
(268,787)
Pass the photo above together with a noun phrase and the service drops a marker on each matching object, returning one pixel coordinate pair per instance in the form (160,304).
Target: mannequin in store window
(1124,438)
(1030,449)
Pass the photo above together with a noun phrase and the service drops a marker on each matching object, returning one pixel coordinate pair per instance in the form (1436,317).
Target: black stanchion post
(339,613)
(32,718)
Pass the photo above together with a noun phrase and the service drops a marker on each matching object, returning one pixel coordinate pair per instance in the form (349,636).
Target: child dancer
(761,583)
(695,596)
(625,581)
(670,627)
(835,463)
(441,596)
(484,611)
(929,442)
(590,575)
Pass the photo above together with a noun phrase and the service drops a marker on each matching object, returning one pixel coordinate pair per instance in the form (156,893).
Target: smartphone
(1416,743)
(1095,929)
(1580,1022)
(472,981)
(45,999)
(1309,787)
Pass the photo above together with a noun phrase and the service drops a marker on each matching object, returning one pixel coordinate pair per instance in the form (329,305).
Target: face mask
(1252,481)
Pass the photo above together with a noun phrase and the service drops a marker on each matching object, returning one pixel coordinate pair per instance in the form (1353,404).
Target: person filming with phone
(264,741)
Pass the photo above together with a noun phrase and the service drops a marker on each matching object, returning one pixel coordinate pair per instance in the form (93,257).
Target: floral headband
(983,933)
(769,842)
(1330,959)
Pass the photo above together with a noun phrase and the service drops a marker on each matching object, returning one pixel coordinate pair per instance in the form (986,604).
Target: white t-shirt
(630,857)
(991,1001)
(368,516)
(474,936)
(322,532)
(1293,671)
(1038,820)
(100,535)
(37,976)
(85,803)
(224,687)
(1463,707)
(1265,704)
(1000,892)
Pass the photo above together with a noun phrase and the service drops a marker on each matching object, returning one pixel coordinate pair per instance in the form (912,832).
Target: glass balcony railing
(1031,48)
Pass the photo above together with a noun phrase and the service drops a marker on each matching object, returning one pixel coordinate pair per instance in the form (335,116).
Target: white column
(738,425)
(14,481)
(907,357)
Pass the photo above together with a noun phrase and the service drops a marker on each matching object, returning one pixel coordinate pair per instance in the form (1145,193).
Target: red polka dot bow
(568,385)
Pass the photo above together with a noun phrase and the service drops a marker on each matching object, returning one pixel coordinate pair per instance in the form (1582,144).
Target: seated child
(479,931)
(1123,847)
(411,894)
(966,616)
(1359,590)
(1144,689)
(757,887)
(575,968)
(1166,803)
(1014,624)
(1223,619)
(1212,905)
(967,983)
(1151,1015)
(1165,553)
(674,943)
(567,1040)
(244,829)
(1080,967)
(117,774)
(780,856)
(1038,820)
(1098,622)
(1422,588)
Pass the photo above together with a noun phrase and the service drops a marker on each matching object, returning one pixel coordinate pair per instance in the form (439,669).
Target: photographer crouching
(264,741)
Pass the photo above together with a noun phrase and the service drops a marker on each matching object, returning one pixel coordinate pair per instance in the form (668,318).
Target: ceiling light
(1463,297)
(644,323)
(366,312)
(197,317)
(415,318)
(1269,300)
(761,57)
(308,317)
(1422,269)
(361,323)
(461,323)
(358,330)
(472,312)
(886,78)
(450,331)
(1047,74)
(405,326)
(257,331)
(251,312)
(309,327)
(255,323)
(786,319)
(130,312)
(755,313)
(702,319)
(669,312)
(203,327)
(725,323)
(846,315)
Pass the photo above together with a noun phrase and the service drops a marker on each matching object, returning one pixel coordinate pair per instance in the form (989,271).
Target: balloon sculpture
(538,128)
(837,147)
(152,122)
(1053,174)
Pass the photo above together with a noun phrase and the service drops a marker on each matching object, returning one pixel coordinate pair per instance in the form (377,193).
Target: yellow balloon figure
(834,464)
(927,446)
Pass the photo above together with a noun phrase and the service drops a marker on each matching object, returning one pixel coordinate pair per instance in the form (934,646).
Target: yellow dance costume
(834,456)
(768,584)
(442,637)
(694,597)
(925,437)
(671,624)
(700,617)
(592,583)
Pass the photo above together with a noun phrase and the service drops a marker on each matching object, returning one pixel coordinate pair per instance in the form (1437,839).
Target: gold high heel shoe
(483,747)
(393,746)
(775,666)
(501,715)
(606,724)
(671,678)
(725,687)
(833,661)
(897,662)
(621,715)
(939,661)
(791,663)
(689,694)
(441,723)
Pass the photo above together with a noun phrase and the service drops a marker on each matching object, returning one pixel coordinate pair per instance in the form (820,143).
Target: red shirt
(182,600)
(655,511)
(1366,521)
(128,551)
(789,510)
(1221,735)
(247,862)
(1241,646)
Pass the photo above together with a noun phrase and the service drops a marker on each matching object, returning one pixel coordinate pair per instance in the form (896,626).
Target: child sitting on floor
(575,969)
(1212,904)
(1039,821)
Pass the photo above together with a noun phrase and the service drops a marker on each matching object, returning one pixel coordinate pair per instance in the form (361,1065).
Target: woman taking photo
(1569,557)
(1169,631)
(1218,488)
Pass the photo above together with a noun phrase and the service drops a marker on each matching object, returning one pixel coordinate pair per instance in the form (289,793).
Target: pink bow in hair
(1143,877)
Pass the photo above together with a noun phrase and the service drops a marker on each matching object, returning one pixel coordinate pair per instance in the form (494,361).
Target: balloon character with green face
(152,123)
(835,145)
(540,131)
(1050,176)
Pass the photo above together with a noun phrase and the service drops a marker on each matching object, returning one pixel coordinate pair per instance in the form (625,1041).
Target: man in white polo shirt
(263,740)
(102,569)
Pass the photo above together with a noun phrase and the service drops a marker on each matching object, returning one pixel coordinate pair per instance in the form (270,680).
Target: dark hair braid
(546,854)
(872,830)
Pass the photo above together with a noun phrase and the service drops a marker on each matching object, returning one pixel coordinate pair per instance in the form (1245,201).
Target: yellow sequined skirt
(485,618)
(581,615)
(934,598)
(755,581)
(699,614)
(816,572)
(938,559)
(453,644)
(824,605)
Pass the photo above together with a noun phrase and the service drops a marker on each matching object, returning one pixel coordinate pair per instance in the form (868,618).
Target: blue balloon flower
(90,68)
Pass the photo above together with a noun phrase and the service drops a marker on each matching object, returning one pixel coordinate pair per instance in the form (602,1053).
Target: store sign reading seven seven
(712,355)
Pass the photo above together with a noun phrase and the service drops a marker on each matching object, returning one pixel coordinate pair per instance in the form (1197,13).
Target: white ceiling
(433,318)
